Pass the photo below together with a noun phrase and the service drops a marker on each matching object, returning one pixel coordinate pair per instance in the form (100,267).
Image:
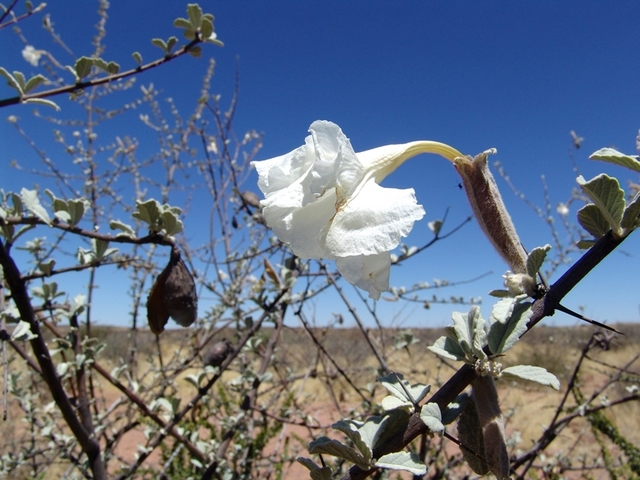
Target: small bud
(519,283)
(487,204)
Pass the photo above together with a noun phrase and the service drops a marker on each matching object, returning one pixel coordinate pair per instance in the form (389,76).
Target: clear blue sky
(518,76)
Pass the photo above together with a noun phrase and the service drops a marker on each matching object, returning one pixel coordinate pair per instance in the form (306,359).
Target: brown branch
(101,81)
(542,308)
(21,298)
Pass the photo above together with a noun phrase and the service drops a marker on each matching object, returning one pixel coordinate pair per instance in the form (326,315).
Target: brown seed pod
(217,353)
(173,295)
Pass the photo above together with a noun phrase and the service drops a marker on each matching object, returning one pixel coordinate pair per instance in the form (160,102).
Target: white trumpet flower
(324,200)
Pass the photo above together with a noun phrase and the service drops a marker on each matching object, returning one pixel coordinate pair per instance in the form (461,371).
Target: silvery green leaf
(16,201)
(47,267)
(402,461)
(43,101)
(171,223)
(32,203)
(503,336)
(370,431)
(63,216)
(160,43)
(432,417)
(195,51)
(502,309)
(315,471)
(593,221)
(613,156)
(127,231)
(22,332)
(19,76)
(101,250)
(535,259)
(194,379)
(391,403)
(499,293)
(392,383)
(83,66)
(80,359)
(182,23)
(206,28)
(533,374)
(325,445)
(171,42)
(148,212)
(162,403)
(606,193)
(585,244)
(362,434)
(448,348)
(62,369)
(631,213)
(137,57)
(11,81)
(195,15)
(454,409)
(77,305)
(469,331)
(34,82)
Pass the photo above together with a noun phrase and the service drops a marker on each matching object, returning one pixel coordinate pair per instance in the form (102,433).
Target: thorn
(584,319)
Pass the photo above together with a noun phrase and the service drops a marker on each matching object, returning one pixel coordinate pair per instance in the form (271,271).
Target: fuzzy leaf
(533,374)
(448,348)
(148,212)
(182,23)
(606,193)
(195,15)
(137,57)
(195,52)
(34,82)
(127,231)
(325,445)
(631,213)
(32,203)
(83,66)
(402,461)
(171,223)
(171,42)
(453,410)
(158,42)
(47,267)
(593,221)
(316,472)
(432,417)
(535,259)
(503,336)
(392,383)
(43,101)
(22,332)
(613,156)
(11,81)
(206,28)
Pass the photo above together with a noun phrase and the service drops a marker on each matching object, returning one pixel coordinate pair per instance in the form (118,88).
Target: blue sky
(517,76)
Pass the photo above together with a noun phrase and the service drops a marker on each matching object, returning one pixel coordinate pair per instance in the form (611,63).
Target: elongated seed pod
(487,204)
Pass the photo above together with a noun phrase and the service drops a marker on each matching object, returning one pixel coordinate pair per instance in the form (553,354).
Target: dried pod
(217,353)
(172,295)
(471,438)
(485,397)
(492,215)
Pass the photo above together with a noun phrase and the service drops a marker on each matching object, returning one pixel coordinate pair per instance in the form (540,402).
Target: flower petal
(369,272)
(373,221)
